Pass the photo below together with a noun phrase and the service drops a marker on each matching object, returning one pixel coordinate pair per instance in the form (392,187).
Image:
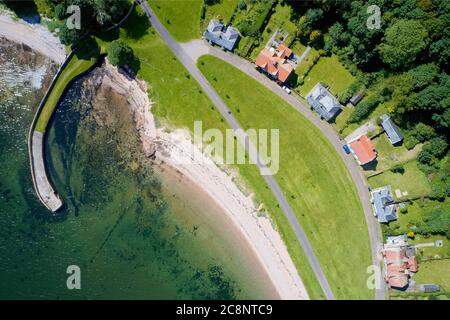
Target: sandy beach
(36,36)
(176,150)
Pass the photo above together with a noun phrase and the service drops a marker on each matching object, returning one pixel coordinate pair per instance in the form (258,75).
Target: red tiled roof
(398,280)
(394,256)
(284,51)
(271,63)
(363,149)
(397,265)
(412,264)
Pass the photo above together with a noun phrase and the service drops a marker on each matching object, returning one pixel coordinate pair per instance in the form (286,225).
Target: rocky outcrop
(108,87)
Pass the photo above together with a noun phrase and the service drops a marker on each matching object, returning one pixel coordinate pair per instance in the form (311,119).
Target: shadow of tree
(292,80)
(135,65)
(137,25)
(88,48)
(109,36)
(26,10)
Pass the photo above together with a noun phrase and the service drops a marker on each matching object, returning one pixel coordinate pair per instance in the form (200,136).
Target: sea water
(130,235)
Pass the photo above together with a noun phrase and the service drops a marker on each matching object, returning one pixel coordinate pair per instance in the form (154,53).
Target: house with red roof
(399,261)
(273,62)
(363,150)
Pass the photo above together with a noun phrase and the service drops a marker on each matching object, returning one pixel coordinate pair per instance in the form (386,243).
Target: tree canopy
(403,42)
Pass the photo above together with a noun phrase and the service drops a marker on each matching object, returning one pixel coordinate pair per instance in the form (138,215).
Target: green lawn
(183,104)
(75,67)
(221,10)
(330,71)
(181,18)
(389,155)
(427,253)
(307,61)
(412,181)
(312,176)
(436,271)
(340,122)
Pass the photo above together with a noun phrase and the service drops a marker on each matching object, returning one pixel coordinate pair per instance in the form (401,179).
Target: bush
(69,36)
(410,141)
(436,147)
(363,109)
(242,5)
(404,210)
(345,95)
(398,168)
(60,11)
(439,192)
(424,157)
(424,132)
(120,54)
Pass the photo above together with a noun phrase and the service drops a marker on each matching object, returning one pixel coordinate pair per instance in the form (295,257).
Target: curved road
(199,47)
(189,63)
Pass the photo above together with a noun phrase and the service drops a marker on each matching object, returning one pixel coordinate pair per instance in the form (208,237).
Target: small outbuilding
(392,131)
(357,97)
(429,288)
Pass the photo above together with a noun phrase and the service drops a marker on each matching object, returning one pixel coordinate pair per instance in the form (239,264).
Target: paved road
(327,130)
(190,65)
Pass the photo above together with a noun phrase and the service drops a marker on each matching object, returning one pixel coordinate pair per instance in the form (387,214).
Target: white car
(287,89)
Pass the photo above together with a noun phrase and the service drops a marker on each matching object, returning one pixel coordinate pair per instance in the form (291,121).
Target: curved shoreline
(37,37)
(257,231)
(176,150)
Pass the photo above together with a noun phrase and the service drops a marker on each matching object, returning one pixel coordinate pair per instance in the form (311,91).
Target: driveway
(369,126)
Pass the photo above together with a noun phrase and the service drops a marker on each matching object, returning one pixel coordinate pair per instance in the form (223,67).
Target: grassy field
(180,17)
(221,10)
(307,61)
(389,155)
(183,104)
(412,181)
(435,271)
(312,176)
(75,67)
(330,71)
(427,253)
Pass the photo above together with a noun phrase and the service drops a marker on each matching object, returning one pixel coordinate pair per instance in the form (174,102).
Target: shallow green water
(116,226)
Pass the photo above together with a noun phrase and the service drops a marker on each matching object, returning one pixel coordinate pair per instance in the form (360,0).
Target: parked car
(346,149)
(287,89)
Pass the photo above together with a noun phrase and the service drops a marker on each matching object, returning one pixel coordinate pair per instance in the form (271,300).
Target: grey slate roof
(323,102)
(383,205)
(392,131)
(214,33)
(357,97)
(214,26)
